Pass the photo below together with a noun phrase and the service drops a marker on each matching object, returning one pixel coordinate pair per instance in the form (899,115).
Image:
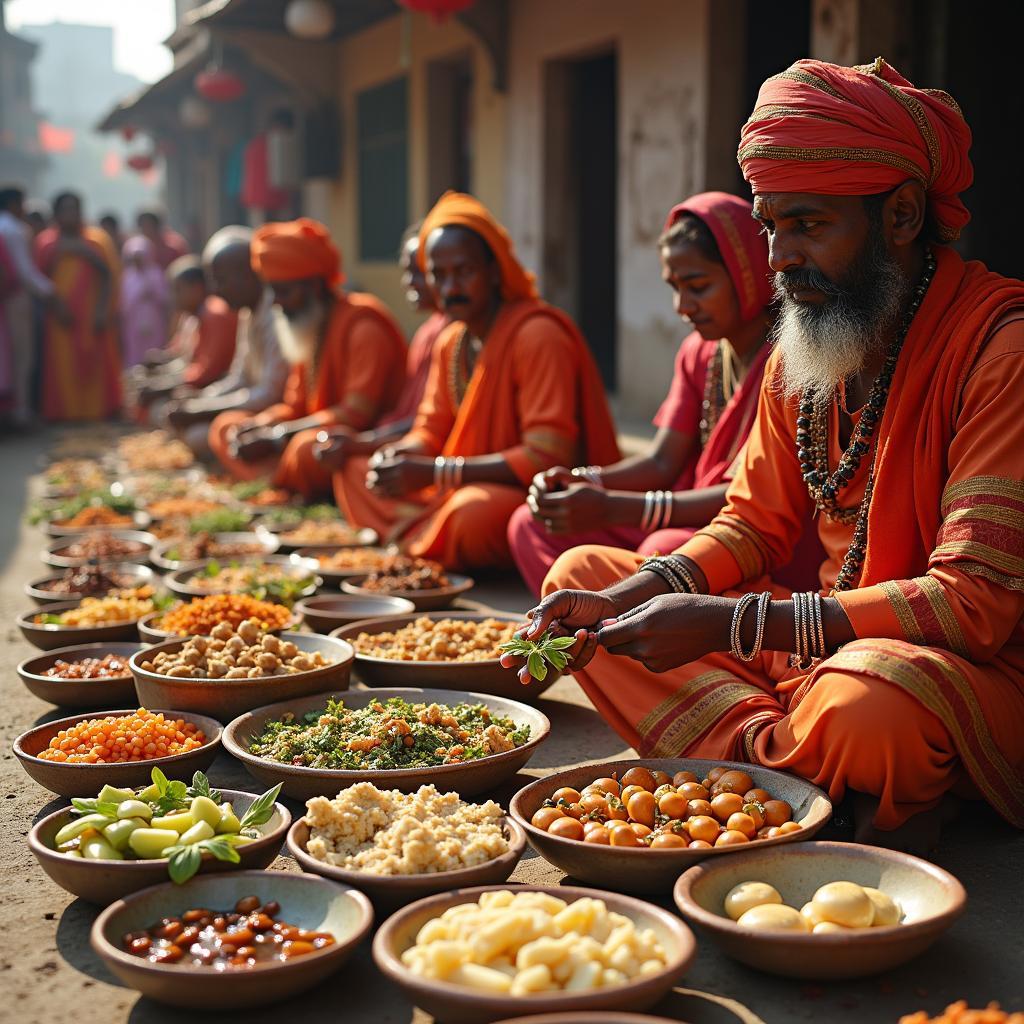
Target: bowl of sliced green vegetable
(122,840)
(400,738)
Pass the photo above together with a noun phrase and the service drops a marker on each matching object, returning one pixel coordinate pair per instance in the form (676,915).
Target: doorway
(449,126)
(581,199)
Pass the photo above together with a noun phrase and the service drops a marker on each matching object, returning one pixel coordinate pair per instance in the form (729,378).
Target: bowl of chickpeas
(86,676)
(234,670)
(456,650)
(634,826)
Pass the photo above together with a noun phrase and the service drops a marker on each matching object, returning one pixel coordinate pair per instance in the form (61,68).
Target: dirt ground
(48,972)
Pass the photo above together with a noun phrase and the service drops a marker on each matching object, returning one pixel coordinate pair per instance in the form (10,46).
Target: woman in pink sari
(9,285)
(145,301)
(715,260)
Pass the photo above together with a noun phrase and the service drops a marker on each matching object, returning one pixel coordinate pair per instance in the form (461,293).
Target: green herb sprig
(545,650)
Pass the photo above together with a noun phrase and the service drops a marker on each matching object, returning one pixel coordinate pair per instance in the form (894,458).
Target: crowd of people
(817,564)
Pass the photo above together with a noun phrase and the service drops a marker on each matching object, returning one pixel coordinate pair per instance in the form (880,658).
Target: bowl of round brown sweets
(99,547)
(88,581)
(456,650)
(424,582)
(114,616)
(201,615)
(335,564)
(232,941)
(86,676)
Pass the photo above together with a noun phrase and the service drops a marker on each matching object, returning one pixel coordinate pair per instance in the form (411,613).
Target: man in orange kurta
(347,359)
(512,390)
(892,408)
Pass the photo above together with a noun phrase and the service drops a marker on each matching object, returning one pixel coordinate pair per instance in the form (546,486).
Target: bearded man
(890,408)
(345,350)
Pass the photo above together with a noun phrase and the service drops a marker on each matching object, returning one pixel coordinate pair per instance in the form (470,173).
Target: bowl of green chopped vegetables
(400,738)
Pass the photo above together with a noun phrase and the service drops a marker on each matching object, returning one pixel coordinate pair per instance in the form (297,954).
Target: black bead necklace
(812,444)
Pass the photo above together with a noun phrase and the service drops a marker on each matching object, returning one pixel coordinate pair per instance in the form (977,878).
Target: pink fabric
(145,302)
(8,286)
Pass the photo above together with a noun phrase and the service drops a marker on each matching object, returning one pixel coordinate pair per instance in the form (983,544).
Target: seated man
(346,356)
(891,406)
(200,350)
(504,401)
(255,380)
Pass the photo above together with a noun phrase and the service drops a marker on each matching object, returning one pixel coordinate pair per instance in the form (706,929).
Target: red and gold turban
(295,249)
(834,130)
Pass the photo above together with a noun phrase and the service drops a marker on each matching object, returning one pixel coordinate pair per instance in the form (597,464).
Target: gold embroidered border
(752,728)
(794,74)
(763,151)
(945,99)
(767,111)
(982,553)
(739,250)
(990,514)
(975,569)
(917,112)
(656,714)
(743,548)
(997,486)
(904,613)
(947,620)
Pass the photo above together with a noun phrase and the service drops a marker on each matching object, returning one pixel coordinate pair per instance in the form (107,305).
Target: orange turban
(460,210)
(295,249)
(834,130)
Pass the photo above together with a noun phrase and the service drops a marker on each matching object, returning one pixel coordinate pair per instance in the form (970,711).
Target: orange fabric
(461,210)
(294,250)
(835,130)
(299,471)
(221,428)
(215,343)
(417,368)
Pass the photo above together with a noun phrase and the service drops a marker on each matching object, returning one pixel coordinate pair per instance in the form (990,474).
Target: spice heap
(96,515)
(140,736)
(958,1013)
(202,615)
(87,581)
(103,546)
(402,572)
(119,606)
(110,666)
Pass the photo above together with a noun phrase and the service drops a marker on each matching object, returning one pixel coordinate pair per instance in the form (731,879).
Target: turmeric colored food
(96,515)
(170,508)
(203,614)
(140,736)
(958,1013)
(117,606)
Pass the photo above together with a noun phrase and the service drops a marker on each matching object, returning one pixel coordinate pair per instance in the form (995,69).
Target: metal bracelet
(735,641)
(819,625)
(657,565)
(439,471)
(645,519)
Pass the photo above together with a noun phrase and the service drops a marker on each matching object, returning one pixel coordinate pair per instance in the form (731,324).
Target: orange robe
(535,397)
(210,357)
(930,696)
(359,378)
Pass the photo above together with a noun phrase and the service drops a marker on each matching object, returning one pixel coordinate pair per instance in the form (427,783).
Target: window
(382,132)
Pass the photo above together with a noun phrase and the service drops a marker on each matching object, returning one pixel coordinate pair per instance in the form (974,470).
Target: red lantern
(140,162)
(128,132)
(219,85)
(439,10)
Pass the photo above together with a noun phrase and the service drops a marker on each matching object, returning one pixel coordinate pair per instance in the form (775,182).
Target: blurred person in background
(169,245)
(145,302)
(111,223)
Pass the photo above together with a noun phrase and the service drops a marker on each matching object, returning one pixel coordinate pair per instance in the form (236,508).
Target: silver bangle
(592,474)
(458,465)
(645,519)
(439,465)
(735,641)
(658,566)
(819,625)
(684,572)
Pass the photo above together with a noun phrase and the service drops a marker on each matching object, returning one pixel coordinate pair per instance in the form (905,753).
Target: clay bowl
(582,1017)
(151,633)
(389,893)
(333,611)
(138,576)
(480,676)
(467,779)
(54,554)
(103,881)
(266,541)
(422,600)
(181,582)
(931,899)
(140,521)
(48,636)
(456,1004)
(79,693)
(362,538)
(654,872)
(334,577)
(88,779)
(225,699)
(307,901)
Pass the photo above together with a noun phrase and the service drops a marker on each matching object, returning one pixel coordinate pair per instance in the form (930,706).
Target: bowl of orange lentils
(79,755)
(201,615)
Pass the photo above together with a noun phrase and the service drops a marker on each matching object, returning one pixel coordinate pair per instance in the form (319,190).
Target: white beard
(299,338)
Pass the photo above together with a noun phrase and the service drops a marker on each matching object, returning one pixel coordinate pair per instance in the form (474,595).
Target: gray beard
(299,336)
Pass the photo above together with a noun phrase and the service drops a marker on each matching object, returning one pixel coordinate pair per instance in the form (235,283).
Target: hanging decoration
(140,162)
(439,10)
(128,132)
(219,85)
(194,113)
(309,19)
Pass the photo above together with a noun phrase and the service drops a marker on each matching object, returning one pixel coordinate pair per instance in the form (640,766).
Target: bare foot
(918,835)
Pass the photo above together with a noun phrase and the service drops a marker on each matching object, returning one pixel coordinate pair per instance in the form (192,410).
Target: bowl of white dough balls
(821,910)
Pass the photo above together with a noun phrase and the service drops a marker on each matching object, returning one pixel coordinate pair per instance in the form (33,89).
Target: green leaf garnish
(545,649)
(183,862)
(94,806)
(260,810)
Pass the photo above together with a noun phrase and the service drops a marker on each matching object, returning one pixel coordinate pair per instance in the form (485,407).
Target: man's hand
(180,416)
(332,447)
(255,444)
(577,509)
(395,475)
(555,479)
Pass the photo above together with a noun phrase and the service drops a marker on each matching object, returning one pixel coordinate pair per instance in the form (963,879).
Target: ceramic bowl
(181,582)
(140,521)
(467,778)
(334,577)
(333,611)
(103,881)
(422,600)
(54,553)
(480,676)
(266,541)
(69,779)
(456,1004)
(225,699)
(646,871)
(931,899)
(307,901)
(80,693)
(48,637)
(583,1017)
(362,538)
(389,893)
(139,575)
(151,633)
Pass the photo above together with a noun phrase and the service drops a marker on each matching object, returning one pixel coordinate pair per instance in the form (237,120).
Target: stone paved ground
(48,972)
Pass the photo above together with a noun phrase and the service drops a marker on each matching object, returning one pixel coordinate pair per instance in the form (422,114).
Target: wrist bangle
(592,474)
(819,625)
(735,641)
(683,569)
(764,601)
(645,519)
(458,465)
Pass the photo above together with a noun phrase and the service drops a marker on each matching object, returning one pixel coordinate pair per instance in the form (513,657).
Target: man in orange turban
(891,411)
(346,353)
(512,390)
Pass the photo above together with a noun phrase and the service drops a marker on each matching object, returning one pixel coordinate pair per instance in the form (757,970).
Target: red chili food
(112,666)
(224,939)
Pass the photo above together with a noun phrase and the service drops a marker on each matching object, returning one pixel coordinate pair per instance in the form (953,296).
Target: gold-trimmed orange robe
(535,397)
(930,696)
(359,377)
